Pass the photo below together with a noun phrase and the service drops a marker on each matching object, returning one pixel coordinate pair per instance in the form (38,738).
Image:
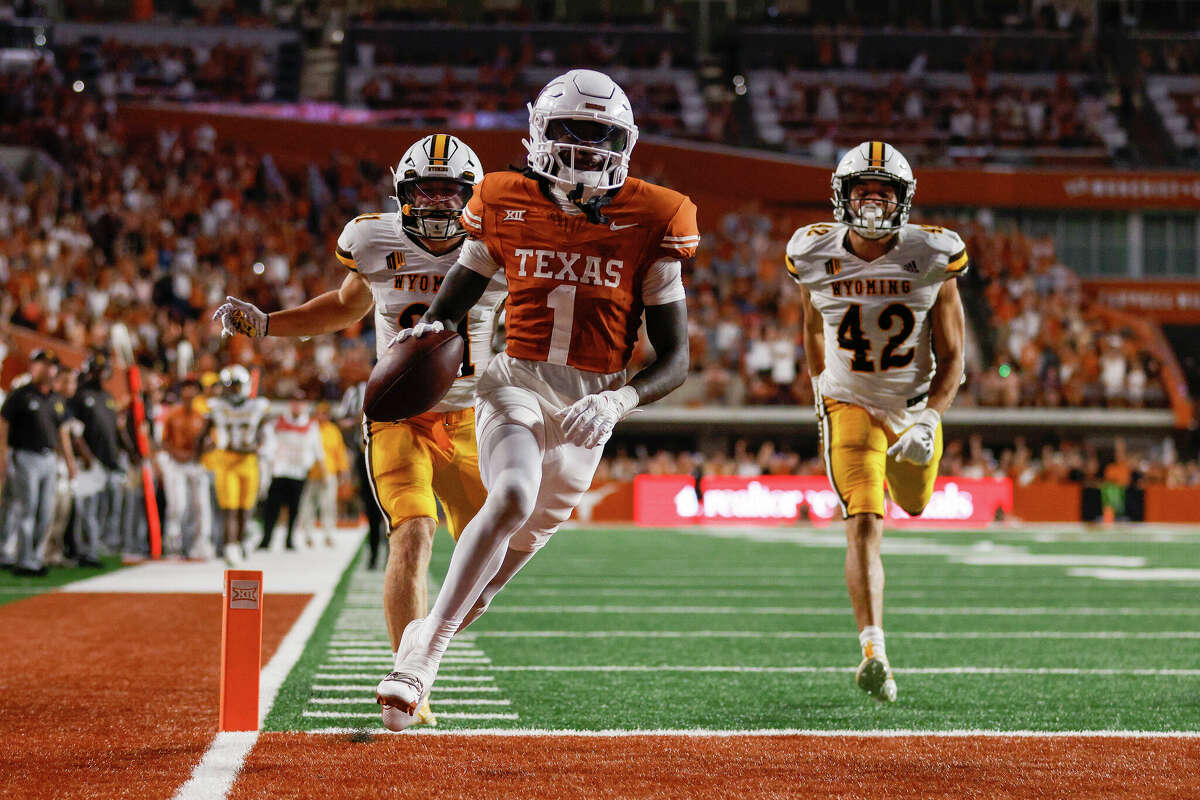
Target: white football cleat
(404,695)
(401,694)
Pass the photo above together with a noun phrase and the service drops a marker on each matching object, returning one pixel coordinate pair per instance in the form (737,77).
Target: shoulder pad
(808,245)
(353,235)
(947,251)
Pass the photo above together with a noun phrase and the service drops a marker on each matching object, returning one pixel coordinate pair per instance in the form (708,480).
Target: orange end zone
(288,765)
(102,695)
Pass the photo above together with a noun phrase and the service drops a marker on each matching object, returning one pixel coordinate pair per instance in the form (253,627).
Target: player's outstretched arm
(332,311)
(666,328)
(461,289)
(948,325)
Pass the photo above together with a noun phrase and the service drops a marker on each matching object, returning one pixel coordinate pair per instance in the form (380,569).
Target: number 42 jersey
(878,349)
(404,277)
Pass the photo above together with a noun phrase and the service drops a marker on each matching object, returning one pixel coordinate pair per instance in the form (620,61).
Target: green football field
(739,629)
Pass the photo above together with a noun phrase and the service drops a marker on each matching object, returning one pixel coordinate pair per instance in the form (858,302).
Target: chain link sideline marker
(241,649)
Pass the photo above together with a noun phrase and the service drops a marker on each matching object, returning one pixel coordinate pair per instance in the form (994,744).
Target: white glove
(916,444)
(418,330)
(238,316)
(816,387)
(589,421)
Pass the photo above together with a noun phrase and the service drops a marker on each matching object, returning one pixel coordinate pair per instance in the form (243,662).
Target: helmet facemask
(877,216)
(584,156)
(431,208)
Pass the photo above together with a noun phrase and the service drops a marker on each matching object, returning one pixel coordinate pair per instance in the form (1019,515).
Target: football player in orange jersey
(585,250)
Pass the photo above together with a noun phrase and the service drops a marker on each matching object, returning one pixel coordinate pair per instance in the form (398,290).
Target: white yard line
(370,687)
(774,732)
(375,715)
(449,659)
(219,767)
(1078,611)
(892,636)
(441,701)
(446,676)
(1183,673)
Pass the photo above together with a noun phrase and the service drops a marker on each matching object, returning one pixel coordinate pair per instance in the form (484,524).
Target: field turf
(640,629)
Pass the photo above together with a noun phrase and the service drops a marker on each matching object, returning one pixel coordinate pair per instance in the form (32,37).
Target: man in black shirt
(109,442)
(34,415)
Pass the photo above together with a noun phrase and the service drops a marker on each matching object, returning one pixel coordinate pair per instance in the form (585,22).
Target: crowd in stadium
(194,73)
(157,233)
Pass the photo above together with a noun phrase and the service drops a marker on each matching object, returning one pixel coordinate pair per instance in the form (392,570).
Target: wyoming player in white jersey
(396,262)
(235,423)
(883,336)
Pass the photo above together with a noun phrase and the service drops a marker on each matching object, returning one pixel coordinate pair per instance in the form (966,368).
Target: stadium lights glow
(39,40)
(259,268)
(337,36)
(77,86)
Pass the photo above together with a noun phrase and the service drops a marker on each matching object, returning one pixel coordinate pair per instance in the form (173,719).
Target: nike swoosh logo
(615,227)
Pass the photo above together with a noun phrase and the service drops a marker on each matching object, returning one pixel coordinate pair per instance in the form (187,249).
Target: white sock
(872,635)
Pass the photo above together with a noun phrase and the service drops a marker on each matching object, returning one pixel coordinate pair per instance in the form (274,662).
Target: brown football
(413,376)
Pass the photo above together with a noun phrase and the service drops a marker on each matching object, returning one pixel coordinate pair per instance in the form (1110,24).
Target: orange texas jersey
(575,288)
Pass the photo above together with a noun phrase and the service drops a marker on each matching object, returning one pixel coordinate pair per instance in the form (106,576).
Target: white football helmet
(873,161)
(581,134)
(236,380)
(434,180)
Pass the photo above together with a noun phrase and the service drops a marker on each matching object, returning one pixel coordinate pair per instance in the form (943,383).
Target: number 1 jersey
(878,348)
(577,288)
(404,277)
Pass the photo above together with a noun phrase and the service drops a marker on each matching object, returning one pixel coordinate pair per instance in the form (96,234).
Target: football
(412,376)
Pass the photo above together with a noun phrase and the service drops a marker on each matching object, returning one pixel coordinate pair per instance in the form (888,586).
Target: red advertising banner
(784,499)
(1166,301)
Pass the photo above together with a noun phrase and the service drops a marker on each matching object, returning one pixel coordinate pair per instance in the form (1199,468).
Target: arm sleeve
(476,257)
(345,247)
(682,234)
(663,283)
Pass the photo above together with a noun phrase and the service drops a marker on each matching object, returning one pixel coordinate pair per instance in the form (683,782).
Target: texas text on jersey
(404,277)
(579,305)
(876,313)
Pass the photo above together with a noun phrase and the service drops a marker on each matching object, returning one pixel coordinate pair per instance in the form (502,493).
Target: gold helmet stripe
(441,143)
(877,154)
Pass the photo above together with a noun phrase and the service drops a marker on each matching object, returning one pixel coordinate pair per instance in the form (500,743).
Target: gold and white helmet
(581,134)
(873,161)
(434,180)
(236,380)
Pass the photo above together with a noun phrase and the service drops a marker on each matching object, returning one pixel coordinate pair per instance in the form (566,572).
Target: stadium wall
(729,177)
